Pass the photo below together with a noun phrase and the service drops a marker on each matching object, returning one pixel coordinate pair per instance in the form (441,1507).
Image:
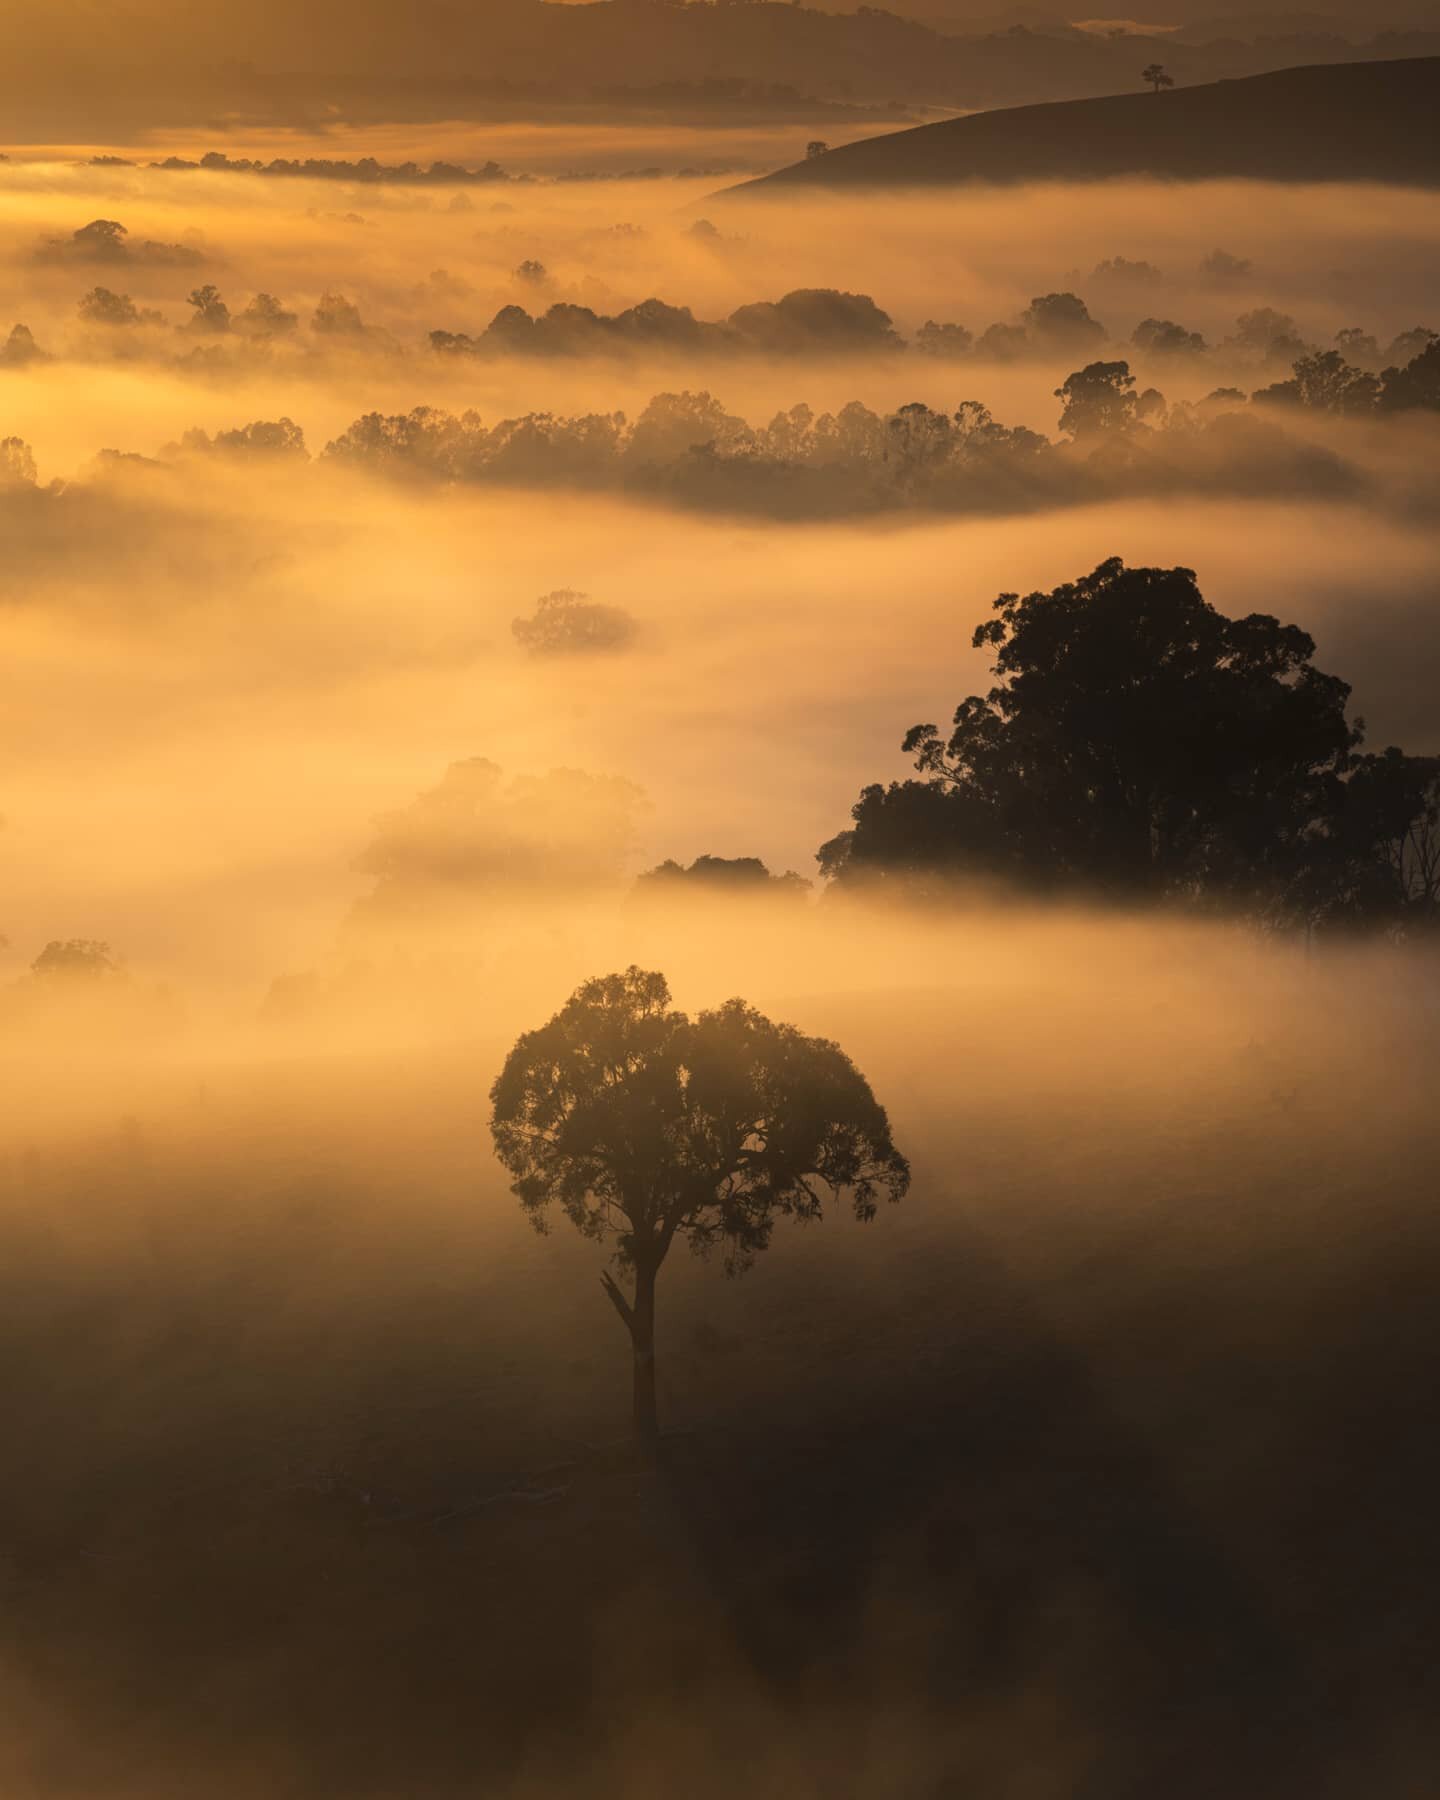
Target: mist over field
(339,742)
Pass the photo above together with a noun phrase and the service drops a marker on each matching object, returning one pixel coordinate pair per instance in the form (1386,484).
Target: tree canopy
(643,1125)
(1141,745)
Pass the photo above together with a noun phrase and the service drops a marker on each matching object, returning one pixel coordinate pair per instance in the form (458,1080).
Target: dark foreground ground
(1104,1467)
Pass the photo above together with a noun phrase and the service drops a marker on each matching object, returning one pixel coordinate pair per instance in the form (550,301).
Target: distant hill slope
(1365,121)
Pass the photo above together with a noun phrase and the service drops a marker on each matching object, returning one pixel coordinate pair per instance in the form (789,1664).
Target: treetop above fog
(643,1124)
(1140,745)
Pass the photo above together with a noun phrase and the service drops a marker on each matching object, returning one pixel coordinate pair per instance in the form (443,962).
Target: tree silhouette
(75,959)
(211,312)
(1414,387)
(17,463)
(728,877)
(645,1125)
(569,623)
(1155,74)
(1099,401)
(1138,744)
(102,307)
(1324,382)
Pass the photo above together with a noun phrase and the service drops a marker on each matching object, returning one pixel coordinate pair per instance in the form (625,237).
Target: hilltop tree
(644,1125)
(1155,74)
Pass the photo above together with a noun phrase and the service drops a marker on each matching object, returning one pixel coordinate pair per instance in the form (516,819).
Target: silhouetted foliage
(1416,387)
(815,319)
(1141,745)
(102,307)
(943,339)
(1271,336)
(264,318)
(212,315)
(108,241)
(20,348)
(1163,337)
(807,321)
(719,877)
(567,623)
(262,438)
(1220,265)
(1098,401)
(365,169)
(1061,322)
(1155,74)
(75,959)
(1122,271)
(335,316)
(17,463)
(644,1125)
(687,448)
(1324,382)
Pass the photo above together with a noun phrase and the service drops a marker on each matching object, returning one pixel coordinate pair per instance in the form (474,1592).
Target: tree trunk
(642,1338)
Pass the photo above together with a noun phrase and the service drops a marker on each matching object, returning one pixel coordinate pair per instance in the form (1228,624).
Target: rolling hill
(1364,121)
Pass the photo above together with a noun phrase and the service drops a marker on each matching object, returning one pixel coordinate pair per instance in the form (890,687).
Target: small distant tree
(20,348)
(102,307)
(75,959)
(265,317)
(1062,319)
(568,623)
(17,463)
(721,877)
(1325,382)
(817,147)
(1156,76)
(102,240)
(645,1125)
(335,316)
(211,312)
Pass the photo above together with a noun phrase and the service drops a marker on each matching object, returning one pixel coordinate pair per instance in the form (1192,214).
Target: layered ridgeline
(1372,121)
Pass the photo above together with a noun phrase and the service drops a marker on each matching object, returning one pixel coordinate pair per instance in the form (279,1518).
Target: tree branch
(617,1299)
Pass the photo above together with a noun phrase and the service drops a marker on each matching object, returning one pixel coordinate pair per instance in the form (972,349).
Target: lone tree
(1155,74)
(645,1125)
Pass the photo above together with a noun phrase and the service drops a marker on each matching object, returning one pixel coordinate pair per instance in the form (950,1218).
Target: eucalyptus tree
(643,1125)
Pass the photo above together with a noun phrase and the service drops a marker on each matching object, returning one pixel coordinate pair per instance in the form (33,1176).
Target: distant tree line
(364,169)
(686,448)
(803,322)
